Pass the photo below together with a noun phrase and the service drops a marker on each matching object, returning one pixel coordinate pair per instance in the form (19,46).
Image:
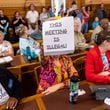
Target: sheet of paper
(6,59)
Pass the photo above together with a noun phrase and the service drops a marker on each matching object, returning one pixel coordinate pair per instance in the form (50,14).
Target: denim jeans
(85,27)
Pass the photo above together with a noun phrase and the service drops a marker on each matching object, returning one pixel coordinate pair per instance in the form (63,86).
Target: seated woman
(17,20)
(55,73)
(44,15)
(10,90)
(97,67)
(5,47)
(28,46)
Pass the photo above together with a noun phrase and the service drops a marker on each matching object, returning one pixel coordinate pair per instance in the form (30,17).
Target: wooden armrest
(2,107)
(15,45)
(37,74)
(86,82)
(16,71)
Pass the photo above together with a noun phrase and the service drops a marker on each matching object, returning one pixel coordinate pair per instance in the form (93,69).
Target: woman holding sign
(55,73)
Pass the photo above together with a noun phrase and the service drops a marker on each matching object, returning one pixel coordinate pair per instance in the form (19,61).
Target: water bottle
(10,83)
(33,55)
(28,54)
(74,85)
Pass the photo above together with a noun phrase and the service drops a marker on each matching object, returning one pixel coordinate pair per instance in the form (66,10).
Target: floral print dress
(52,74)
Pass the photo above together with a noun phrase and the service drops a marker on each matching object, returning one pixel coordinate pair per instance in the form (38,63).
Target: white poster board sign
(58,36)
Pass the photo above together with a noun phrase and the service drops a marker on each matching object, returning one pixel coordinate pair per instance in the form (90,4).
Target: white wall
(56,4)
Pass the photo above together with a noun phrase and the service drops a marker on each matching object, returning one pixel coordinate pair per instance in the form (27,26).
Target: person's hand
(12,103)
(53,88)
(91,46)
(105,73)
(20,17)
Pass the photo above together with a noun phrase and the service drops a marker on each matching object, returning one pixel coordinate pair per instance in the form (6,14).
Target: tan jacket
(80,41)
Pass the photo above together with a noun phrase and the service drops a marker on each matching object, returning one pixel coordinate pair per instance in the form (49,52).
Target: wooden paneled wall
(94,5)
(68,3)
(9,11)
(10,6)
(107,7)
(12,3)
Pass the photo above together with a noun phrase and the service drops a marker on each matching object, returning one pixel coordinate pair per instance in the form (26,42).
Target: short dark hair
(31,5)
(102,36)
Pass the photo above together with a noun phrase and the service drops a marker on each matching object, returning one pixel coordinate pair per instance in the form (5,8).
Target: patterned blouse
(52,74)
(5,46)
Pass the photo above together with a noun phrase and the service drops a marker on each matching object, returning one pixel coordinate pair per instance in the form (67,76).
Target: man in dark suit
(10,88)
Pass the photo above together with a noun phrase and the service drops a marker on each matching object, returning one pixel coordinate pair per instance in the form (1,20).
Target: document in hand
(6,59)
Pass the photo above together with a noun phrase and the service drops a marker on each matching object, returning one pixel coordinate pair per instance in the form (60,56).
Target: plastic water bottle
(74,86)
(33,55)
(28,53)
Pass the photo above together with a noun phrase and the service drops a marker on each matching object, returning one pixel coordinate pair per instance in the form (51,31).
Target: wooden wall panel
(36,2)
(48,2)
(68,3)
(12,3)
(97,1)
(9,11)
(79,3)
(10,6)
(107,7)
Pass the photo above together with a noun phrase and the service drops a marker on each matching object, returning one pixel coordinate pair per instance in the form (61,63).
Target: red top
(94,65)
(86,18)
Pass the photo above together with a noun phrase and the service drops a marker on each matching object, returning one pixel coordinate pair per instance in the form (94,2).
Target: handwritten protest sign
(58,36)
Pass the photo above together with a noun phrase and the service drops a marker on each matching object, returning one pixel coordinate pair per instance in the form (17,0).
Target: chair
(18,60)
(15,47)
(88,37)
(79,64)
(33,102)
(77,55)
(16,72)
(37,73)
(27,68)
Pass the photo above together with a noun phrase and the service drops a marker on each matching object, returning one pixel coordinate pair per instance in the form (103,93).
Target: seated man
(79,39)
(35,33)
(10,89)
(4,24)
